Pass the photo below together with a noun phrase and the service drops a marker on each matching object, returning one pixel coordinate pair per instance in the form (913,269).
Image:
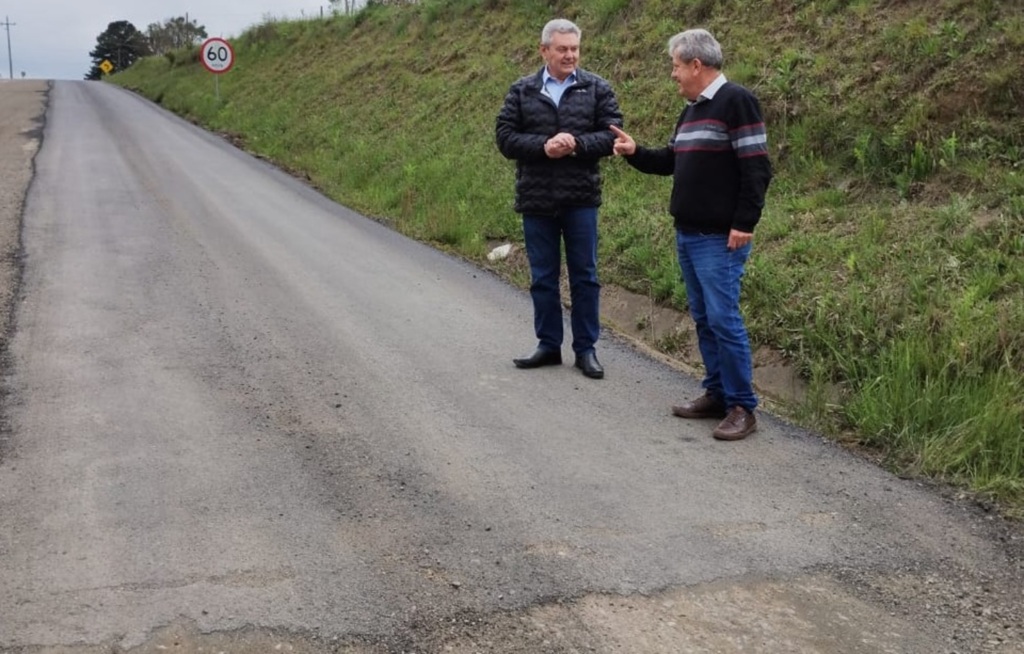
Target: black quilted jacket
(528,119)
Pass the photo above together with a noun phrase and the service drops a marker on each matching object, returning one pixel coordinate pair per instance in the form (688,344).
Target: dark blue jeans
(712,275)
(577,226)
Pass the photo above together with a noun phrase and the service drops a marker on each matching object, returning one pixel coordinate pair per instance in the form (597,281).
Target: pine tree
(121,44)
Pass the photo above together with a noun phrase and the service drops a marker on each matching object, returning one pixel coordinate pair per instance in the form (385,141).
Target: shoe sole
(680,412)
(591,375)
(526,365)
(733,437)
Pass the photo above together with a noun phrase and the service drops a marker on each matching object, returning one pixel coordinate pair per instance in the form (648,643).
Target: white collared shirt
(711,89)
(553,88)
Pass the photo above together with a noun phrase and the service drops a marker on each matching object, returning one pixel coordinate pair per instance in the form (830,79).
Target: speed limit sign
(217,55)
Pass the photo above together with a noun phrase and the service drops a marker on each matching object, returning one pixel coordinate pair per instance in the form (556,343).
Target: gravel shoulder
(22,106)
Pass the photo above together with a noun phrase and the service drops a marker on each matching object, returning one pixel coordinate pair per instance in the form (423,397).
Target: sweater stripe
(750,140)
(702,136)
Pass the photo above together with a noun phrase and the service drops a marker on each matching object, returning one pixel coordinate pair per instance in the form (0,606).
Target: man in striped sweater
(718,156)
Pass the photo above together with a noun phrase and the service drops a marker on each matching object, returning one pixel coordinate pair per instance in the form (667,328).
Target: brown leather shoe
(738,424)
(705,406)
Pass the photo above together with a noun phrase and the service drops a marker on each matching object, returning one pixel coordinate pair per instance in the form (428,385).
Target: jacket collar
(582,77)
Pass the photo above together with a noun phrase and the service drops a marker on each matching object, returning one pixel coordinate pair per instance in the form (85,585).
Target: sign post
(217,56)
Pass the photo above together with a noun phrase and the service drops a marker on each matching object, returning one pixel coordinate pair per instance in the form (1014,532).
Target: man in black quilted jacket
(555,125)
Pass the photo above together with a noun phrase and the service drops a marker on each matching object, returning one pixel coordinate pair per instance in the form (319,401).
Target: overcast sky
(51,39)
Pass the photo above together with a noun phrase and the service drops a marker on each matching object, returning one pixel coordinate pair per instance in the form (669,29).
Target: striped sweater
(719,160)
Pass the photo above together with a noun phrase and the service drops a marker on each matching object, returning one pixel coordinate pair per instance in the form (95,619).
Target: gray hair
(560,25)
(697,44)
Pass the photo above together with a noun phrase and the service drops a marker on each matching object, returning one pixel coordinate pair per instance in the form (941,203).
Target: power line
(10,62)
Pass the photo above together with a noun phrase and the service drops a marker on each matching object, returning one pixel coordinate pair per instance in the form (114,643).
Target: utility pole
(10,62)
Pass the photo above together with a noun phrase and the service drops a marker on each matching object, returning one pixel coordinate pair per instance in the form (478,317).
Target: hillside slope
(889,265)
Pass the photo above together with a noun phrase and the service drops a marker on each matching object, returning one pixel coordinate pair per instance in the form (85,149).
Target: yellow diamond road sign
(106,66)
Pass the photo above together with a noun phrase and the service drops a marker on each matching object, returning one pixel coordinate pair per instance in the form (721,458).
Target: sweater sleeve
(659,161)
(656,161)
(750,143)
(512,142)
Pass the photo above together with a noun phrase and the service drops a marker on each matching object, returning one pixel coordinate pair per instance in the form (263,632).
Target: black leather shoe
(540,358)
(589,365)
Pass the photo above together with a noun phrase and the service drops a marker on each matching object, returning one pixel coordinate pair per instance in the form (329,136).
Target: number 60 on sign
(217,55)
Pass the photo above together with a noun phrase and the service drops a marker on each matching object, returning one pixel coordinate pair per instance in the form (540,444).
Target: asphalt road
(241,417)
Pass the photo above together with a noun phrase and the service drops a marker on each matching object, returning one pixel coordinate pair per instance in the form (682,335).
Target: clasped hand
(560,145)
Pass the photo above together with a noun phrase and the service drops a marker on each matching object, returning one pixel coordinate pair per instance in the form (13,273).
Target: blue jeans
(544,236)
(712,275)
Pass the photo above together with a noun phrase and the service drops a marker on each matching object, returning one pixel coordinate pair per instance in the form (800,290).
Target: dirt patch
(814,614)
(673,334)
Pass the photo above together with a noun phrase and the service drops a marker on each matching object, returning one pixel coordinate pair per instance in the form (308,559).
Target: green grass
(889,265)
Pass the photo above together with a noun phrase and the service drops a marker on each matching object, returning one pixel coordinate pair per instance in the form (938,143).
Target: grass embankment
(890,261)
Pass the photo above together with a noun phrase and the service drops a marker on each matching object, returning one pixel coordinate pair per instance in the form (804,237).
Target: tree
(348,6)
(174,34)
(121,44)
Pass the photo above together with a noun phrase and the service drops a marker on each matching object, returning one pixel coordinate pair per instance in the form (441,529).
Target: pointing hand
(624,144)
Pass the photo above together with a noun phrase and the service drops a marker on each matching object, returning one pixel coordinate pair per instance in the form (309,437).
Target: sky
(51,39)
